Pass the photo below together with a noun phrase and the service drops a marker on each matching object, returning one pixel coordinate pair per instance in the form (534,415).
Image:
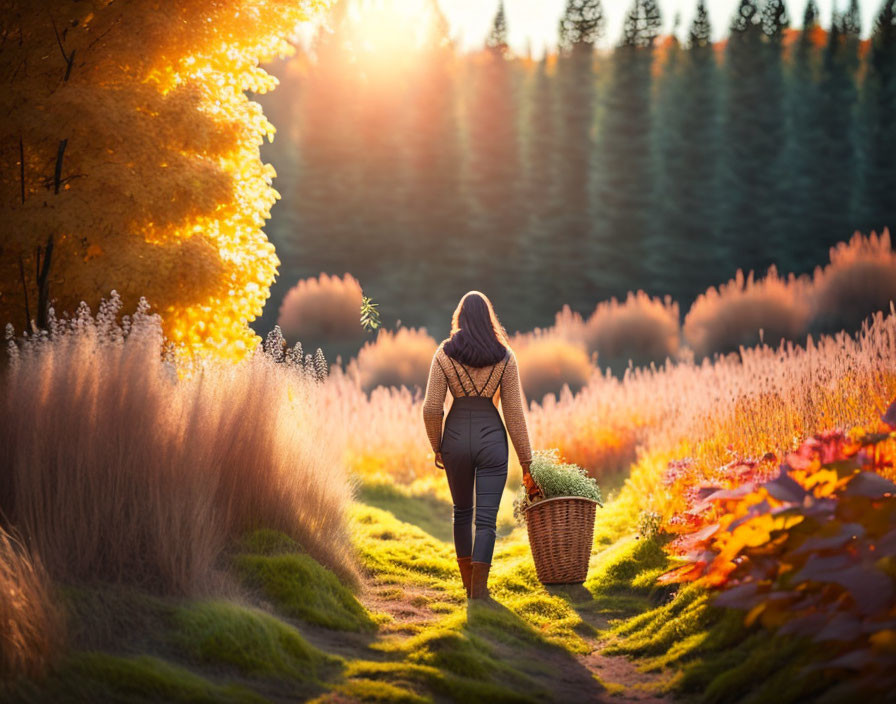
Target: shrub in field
(322,309)
(724,319)
(859,281)
(548,362)
(117,468)
(399,358)
(810,551)
(641,329)
(32,622)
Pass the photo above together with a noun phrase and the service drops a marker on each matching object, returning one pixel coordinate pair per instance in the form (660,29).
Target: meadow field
(282,532)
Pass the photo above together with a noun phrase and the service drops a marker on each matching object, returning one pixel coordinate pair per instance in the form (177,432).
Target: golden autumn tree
(129,159)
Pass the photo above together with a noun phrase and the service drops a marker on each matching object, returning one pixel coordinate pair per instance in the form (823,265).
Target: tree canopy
(130,155)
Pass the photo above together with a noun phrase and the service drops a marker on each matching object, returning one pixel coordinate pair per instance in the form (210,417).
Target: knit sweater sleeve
(514,410)
(434,403)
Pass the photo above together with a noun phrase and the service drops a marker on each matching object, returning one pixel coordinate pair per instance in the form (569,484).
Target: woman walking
(476,364)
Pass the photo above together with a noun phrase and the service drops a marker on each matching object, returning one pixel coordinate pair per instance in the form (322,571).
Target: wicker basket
(561,532)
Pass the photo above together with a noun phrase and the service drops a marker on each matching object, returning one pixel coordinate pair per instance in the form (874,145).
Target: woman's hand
(532,490)
(439,463)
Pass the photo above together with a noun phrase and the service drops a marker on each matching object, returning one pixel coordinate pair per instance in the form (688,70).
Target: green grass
(101,677)
(622,567)
(444,648)
(299,586)
(446,684)
(401,553)
(427,512)
(453,650)
(253,642)
(366,690)
(715,657)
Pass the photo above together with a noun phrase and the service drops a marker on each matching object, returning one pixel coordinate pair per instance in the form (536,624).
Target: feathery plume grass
(33,625)
(118,468)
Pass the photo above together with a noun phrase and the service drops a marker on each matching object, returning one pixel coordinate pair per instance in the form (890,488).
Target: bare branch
(22,167)
(57,178)
(68,69)
(69,58)
(43,286)
(58,40)
(25,291)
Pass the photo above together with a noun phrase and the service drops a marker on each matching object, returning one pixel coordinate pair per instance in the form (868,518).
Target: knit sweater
(446,373)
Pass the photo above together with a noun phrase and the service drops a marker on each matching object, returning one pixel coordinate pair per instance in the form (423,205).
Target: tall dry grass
(758,400)
(116,469)
(32,624)
(762,400)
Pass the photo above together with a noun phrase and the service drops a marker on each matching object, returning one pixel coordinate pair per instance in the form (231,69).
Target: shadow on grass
(529,662)
(425,511)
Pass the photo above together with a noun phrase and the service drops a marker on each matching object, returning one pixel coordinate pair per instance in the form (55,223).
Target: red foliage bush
(809,551)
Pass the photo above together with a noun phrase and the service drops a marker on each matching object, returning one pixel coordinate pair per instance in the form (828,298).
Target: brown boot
(479,580)
(466,570)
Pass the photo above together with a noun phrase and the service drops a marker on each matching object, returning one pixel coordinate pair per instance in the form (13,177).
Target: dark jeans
(474,452)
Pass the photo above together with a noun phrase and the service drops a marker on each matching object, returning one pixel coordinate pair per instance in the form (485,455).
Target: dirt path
(571,678)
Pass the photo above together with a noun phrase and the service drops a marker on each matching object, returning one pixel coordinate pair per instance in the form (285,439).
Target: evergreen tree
(661,250)
(626,183)
(494,159)
(542,168)
(754,181)
(810,18)
(581,26)
(700,35)
(775,20)
(878,204)
(433,194)
(836,155)
(496,41)
(806,229)
(686,256)
(852,20)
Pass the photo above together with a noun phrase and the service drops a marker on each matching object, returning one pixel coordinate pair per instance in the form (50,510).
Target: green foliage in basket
(556,478)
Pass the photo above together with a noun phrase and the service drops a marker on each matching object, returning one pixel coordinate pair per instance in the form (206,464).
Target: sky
(536,20)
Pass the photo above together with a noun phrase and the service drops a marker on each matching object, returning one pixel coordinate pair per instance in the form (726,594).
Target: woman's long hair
(477,337)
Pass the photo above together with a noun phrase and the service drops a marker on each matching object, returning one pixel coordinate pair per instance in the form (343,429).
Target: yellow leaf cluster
(129,140)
